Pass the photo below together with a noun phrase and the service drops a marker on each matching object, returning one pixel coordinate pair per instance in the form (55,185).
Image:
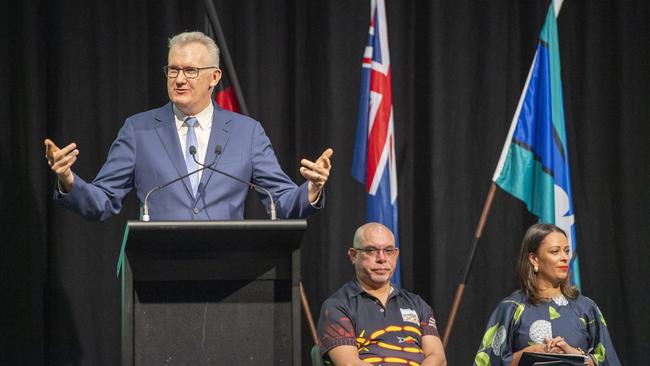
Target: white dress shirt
(202,130)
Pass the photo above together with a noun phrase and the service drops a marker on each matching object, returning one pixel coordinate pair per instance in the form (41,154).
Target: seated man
(368,321)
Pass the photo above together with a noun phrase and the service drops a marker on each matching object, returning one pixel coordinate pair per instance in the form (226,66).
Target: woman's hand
(559,345)
(551,345)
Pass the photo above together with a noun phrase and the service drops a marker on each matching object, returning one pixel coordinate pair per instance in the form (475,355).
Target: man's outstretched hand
(317,173)
(61,161)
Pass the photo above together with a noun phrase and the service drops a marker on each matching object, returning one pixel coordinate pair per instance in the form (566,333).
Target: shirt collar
(356,290)
(204,117)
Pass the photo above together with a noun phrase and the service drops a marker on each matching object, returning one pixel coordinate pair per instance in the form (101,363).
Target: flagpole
(223,47)
(468,267)
(310,320)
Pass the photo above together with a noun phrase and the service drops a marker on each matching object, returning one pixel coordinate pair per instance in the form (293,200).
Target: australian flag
(374,151)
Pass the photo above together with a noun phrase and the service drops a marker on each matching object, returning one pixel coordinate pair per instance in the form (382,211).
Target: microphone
(217,151)
(145,208)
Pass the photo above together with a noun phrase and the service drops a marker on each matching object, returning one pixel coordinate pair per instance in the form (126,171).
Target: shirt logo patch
(407,339)
(409,315)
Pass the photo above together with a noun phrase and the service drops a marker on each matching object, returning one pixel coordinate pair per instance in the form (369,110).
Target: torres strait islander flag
(374,151)
(534,163)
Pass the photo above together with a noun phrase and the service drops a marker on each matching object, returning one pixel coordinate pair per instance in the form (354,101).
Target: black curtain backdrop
(74,70)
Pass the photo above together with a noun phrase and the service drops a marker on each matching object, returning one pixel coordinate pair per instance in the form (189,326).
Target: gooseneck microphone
(217,152)
(145,208)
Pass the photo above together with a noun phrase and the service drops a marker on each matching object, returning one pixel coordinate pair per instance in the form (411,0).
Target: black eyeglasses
(372,251)
(189,72)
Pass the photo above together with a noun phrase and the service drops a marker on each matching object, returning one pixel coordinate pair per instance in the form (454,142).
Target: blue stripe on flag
(360,155)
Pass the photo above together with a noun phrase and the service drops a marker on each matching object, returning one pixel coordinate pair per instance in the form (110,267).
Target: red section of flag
(227,99)
(380,84)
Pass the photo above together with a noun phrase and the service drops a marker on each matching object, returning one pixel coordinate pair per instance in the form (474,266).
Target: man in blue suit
(159,145)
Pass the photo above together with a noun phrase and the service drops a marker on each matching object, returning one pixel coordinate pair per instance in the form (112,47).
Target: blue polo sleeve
(335,326)
(428,324)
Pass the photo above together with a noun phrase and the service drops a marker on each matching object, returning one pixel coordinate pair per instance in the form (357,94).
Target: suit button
(196,210)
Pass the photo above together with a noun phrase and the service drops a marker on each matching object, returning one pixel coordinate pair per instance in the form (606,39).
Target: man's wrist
(317,200)
(313,190)
(60,189)
(64,188)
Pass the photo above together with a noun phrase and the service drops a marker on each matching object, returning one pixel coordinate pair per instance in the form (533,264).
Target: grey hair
(198,37)
(359,235)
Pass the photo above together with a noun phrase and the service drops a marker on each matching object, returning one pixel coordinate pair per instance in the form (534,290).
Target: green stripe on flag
(523,177)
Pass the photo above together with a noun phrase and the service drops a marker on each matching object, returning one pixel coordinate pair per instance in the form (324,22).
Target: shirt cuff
(328,346)
(316,203)
(58,187)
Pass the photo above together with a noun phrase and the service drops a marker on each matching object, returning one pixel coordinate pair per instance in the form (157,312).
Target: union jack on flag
(374,151)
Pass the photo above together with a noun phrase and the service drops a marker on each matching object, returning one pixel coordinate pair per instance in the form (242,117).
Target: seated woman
(546,314)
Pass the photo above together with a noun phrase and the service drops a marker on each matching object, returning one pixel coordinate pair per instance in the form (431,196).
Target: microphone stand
(217,151)
(145,208)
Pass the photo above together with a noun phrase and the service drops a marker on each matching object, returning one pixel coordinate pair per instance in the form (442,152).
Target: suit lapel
(219,135)
(166,130)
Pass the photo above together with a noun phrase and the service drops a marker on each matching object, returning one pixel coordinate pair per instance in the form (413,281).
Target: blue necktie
(189,161)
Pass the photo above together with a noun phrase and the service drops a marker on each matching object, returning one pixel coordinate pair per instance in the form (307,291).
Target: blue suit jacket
(147,153)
